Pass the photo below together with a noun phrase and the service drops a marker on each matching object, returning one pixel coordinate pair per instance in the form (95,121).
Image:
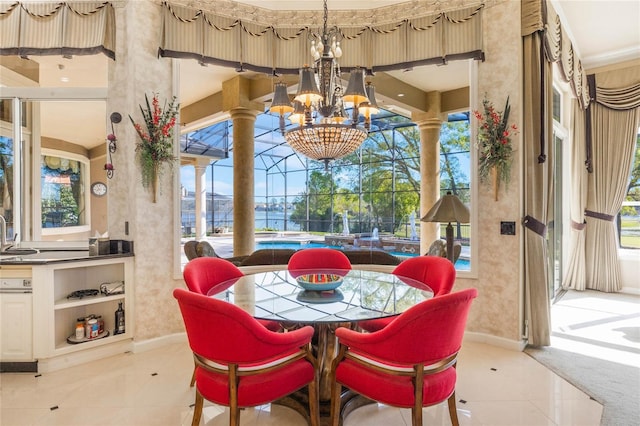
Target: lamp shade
(297,116)
(308,91)
(356,92)
(281,103)
(448,208)
(370,107)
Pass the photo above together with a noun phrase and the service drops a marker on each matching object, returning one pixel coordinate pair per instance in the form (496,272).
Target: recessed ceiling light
(400,95)
(64,79)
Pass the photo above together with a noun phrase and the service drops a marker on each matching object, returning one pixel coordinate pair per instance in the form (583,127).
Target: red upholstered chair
(239,363)
(318,258)
(204,273)
(438,273)
(408,364)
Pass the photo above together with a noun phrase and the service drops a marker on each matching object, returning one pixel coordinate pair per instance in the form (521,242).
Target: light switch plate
(507,228)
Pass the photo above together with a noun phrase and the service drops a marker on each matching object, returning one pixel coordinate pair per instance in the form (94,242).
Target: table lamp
(449,209)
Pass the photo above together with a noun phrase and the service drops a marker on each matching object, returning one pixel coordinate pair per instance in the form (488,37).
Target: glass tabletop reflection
(282,295)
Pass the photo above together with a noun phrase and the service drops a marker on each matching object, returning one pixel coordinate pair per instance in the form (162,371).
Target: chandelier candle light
(324,131)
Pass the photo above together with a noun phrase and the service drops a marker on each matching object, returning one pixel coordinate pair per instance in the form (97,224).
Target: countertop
(55,256)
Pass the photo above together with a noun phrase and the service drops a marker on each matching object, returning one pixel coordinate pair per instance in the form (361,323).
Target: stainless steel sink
(18,252)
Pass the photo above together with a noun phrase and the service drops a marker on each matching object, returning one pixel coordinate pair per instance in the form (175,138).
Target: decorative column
(429,124)
(244,223)
(201,198)
(236,99)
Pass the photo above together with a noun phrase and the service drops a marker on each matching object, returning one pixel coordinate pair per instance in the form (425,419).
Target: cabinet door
(16,333)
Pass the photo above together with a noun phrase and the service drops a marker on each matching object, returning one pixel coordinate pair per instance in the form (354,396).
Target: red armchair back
(203,273)
(232,349)
(318,258)
(436,272)
(413,357)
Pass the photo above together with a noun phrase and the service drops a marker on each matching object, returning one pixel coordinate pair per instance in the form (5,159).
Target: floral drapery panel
(252,42)
(57,28)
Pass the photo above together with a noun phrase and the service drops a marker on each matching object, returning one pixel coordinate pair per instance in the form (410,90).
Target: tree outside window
(629,217)
(63,202)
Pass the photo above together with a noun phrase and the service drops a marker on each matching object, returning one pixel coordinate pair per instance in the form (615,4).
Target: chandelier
(324,131)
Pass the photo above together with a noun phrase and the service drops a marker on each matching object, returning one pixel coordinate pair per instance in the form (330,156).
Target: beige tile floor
(499,387)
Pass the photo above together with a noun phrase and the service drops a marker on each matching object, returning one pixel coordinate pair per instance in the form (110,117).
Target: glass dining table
(325,299)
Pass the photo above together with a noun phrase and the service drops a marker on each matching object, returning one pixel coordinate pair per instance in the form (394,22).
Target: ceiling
(603,31)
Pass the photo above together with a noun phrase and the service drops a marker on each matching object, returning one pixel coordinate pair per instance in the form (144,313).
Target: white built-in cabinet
(16,317)
(55,315)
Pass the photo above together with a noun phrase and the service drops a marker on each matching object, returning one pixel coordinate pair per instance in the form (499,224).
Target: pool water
(461,264)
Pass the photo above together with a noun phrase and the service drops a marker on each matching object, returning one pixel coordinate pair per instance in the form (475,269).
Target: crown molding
(297,18)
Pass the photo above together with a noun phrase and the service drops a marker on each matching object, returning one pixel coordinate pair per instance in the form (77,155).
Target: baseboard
(159,342)
(19,367)
(631,290)
(500,342)
(47,365)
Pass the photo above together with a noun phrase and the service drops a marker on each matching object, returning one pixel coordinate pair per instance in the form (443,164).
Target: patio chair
(268,257)
(371,257)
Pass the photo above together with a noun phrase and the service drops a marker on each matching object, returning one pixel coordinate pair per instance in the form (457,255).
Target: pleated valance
(619,89)
(539,15)
(57,28)
(216,38)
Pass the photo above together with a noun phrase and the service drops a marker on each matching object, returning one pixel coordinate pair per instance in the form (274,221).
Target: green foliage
(494,141)
(633,189)
(379,185)
(156,138)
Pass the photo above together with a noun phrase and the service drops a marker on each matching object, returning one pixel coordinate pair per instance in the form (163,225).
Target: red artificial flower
(111,137)
(108,166)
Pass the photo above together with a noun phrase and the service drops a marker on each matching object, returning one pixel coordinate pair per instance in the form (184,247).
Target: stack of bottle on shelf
(92,327)
(89,327)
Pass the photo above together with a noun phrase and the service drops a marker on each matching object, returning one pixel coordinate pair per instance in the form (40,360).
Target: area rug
(615,386)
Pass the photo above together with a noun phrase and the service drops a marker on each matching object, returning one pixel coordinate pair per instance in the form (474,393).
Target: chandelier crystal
(324,131)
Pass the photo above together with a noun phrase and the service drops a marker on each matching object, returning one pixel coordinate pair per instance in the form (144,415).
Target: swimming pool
(461,264)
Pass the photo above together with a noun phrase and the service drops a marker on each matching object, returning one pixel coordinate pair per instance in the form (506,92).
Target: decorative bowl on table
(319,282)
(307,296)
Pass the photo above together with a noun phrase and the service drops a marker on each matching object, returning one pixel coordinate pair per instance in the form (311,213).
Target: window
(629,217)
(557,105)
(63,192)
(6,183)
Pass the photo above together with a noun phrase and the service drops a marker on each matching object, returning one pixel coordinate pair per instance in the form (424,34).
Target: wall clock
(98,189)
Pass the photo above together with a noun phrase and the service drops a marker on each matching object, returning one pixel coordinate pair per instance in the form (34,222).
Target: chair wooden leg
(234,416)
(314,409)
(197,409)
(335,402)
(453,412)
(193,378)
(416,416)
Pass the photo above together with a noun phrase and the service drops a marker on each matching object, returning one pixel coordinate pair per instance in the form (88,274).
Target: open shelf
(88,300)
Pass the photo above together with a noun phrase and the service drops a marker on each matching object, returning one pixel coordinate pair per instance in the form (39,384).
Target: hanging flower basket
(155,146)
(494,146)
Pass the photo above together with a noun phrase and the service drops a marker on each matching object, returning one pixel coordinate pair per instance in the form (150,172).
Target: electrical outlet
(507,228)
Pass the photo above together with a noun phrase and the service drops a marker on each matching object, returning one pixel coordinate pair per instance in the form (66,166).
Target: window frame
(86,178)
